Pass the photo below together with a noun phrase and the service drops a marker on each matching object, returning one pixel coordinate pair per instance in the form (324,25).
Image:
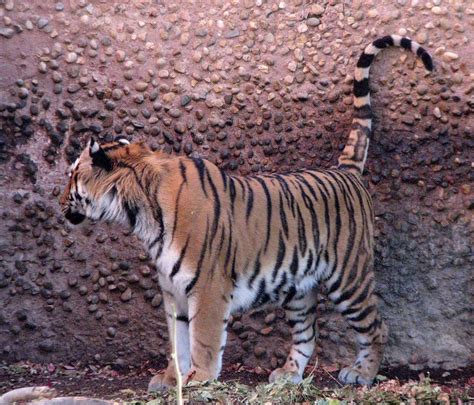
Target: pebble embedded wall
(255,86)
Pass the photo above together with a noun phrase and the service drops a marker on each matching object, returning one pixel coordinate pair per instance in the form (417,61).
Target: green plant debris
(386,392)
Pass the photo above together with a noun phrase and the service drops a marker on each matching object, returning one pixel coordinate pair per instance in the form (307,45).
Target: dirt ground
(107,383)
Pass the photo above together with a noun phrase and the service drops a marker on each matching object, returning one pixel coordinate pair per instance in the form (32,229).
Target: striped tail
(355,152)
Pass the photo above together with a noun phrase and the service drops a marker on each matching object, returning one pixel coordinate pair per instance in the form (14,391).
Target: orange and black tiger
(223,243)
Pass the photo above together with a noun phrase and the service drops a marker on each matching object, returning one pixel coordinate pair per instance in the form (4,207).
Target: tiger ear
(98,155)
(122,141)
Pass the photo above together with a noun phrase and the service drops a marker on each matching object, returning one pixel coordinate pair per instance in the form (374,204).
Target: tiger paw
(198,375)
(351,375)
(162,382)
(281,374)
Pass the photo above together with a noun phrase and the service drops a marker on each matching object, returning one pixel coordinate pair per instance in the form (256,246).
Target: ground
(239,383)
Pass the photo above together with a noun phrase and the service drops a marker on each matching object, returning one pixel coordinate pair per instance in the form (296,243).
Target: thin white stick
(174,356)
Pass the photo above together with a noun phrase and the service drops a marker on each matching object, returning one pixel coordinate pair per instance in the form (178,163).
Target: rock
(450,56)
(201,32)
(42,22)
(57,77)
(185,100)
(421,37)
(408,120)
(174,112)
(184,38)
(111,331)
(179,67)
(237,326)
(302,28)
(292,66)
(7,32)
(333,96)
(42,67)
(73,88)
(260,351)
(23,93)
(106,41)
(157,301)
(117,94)
(46,346)
(180,128)
(119,56)
(372,13)
(197,56)
(141,86)
(71,57)
(422,89)
(126,295)
(59,6)
(313,22)
(232,34)
(316,10)
(270,318)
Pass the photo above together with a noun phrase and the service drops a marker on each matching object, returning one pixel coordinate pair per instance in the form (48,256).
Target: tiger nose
(74,217)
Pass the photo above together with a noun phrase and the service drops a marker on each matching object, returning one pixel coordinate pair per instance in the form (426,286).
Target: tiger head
(97,181)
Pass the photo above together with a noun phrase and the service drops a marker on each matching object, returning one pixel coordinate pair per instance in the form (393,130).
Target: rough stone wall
(255,86)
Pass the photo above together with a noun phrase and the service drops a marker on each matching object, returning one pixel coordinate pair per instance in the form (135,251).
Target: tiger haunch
(225,243)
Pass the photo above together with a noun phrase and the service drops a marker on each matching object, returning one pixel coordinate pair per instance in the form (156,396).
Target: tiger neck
(143,212)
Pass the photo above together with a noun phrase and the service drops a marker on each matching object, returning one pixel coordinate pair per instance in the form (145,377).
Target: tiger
(224,243)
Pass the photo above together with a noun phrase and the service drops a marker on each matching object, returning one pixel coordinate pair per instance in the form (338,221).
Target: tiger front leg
(209,315)
(167,379)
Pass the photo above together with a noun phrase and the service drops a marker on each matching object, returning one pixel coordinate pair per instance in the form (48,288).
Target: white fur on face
(108,207)
(72,168)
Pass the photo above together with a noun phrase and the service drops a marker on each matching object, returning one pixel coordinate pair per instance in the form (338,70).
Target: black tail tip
(427,61)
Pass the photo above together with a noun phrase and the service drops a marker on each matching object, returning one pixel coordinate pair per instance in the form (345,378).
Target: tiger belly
(268,292)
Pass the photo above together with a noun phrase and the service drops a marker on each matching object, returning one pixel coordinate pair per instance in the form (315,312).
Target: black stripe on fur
(383,42)
(367,132)
(406,43)
(177,265)
(201,168)
(426,58)
(365,60)
(361,88)
(132,212)
(363,112)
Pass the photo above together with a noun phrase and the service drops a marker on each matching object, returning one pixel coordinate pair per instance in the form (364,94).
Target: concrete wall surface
(255,86)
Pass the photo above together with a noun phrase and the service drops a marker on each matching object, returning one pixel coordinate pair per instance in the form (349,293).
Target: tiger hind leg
(301,317)
(360,310)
